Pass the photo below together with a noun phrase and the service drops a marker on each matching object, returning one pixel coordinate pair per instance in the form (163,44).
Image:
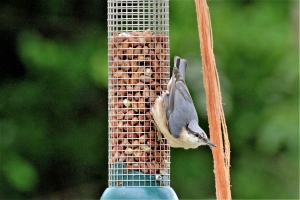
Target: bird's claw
(159,137)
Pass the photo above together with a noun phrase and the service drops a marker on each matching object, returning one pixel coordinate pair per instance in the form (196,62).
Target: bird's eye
(197,134)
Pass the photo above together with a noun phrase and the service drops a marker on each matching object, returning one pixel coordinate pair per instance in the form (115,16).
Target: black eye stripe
(192,132)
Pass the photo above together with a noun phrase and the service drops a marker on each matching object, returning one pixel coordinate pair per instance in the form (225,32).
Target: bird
(174,113)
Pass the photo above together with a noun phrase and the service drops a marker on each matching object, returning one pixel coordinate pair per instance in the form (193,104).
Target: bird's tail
(181,64)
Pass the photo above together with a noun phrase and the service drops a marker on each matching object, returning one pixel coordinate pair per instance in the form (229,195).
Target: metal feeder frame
(139,68)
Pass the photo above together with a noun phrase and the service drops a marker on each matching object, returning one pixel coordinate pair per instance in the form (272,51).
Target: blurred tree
(257,62)
(53,97)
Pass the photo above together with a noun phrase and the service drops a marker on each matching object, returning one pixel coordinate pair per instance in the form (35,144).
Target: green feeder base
(139,193)
(136,185)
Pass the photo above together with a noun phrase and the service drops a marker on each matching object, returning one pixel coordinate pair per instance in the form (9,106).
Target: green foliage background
(53,98)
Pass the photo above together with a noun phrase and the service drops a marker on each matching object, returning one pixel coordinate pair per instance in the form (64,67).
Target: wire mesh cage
(139,63)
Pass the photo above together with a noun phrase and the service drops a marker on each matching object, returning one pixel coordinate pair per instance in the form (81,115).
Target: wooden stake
(216,119)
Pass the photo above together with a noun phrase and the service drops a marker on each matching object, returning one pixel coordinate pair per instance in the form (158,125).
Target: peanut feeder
(138,63)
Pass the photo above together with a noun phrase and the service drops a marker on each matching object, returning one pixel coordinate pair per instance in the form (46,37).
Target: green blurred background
(53,98)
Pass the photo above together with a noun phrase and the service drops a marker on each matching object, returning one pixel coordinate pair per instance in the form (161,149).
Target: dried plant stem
(217,124)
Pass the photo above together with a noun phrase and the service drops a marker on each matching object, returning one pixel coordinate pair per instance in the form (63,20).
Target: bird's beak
(209,143)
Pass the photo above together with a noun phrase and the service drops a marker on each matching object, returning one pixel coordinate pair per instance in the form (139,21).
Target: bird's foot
(159,136)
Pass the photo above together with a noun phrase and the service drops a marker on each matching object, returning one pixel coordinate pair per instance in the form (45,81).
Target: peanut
(138,73)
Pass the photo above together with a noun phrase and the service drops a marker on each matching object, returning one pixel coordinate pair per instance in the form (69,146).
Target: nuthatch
(175,115)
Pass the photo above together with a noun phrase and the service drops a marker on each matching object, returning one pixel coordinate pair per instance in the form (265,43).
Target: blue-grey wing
(181,108)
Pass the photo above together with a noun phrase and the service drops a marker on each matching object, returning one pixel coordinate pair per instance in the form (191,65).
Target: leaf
(20,174)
